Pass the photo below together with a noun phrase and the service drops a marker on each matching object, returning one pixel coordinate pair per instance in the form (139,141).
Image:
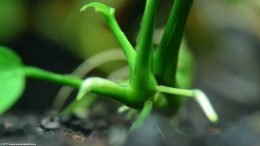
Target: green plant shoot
(152,69)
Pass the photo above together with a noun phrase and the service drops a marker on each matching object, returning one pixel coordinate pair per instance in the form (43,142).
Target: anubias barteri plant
(154,74)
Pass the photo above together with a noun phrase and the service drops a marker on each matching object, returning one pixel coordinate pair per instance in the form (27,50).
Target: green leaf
(12,78)
(99,7)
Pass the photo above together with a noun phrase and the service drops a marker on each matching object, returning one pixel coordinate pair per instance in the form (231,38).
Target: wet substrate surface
(99,129)
(105,127)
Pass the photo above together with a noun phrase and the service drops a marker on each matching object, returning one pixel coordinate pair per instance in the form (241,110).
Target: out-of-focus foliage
(12,19)
(85,33)
(233,1)
(184,75)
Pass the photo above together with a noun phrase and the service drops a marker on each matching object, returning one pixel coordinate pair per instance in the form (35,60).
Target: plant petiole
(142,77)
(175,91)
(108,13)
(37,73)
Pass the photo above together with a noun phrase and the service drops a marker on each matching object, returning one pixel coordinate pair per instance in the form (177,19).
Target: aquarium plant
(155,77)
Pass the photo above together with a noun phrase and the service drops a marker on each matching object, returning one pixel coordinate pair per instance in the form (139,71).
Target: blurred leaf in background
(12,19)
(86,33)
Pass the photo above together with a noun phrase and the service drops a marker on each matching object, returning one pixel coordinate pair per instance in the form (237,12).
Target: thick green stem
(161,50)
(120,93)
(165,60)
(166,55)
(37,73)
(171,56)
(142,73)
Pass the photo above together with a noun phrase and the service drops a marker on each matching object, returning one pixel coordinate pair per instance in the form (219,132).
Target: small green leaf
(99,7)
(12,78)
